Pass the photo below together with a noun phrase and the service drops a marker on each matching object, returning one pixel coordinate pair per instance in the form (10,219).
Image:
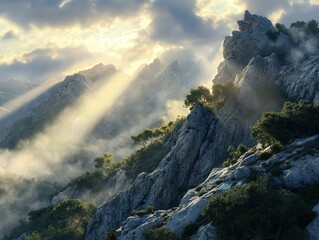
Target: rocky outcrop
(195,153)
(101,193)
(301,80)
(243,45)
(163,188)
(249,40)
(222,179)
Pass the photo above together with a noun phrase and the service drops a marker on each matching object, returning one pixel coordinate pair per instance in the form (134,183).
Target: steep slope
(129,115)
(190,174)
(255,75)
(295,174)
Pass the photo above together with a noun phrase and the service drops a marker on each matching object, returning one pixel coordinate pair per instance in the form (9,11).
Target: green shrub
(265,155)
(67,220)
(34,236)
(111,234)
(276,148)
(276,171)
(148,210)
(310,194)
(257,211)
(293,121)
(160,234)
(145,159)
(210,100)
(190,230)
(234,154)
(200,95)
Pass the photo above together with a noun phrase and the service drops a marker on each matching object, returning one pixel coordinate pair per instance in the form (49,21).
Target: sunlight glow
(19,102)
(38,156)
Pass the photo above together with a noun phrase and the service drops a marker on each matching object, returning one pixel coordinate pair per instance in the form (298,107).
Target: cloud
(44,63)
(61,13)
(176,22)
(302,11)
(290,11)
(262,7)
(9,35)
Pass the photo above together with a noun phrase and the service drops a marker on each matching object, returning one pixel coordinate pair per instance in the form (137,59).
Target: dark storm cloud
(9,35)
(176,22)
(41,64)
(54,13)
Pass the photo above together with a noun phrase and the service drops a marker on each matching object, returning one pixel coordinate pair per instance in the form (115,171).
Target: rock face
(254,66)
(219,180)
(249,40)
(162,188)
(202,142)
(243,45)
(188,176)
(301,80)
(114,184)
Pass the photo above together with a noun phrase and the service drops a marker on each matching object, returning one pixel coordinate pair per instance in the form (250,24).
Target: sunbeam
(39,156)
(15,104)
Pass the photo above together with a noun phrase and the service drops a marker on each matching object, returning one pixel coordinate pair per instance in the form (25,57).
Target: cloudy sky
(42,39)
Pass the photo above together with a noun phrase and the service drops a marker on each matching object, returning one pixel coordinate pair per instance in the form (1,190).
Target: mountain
(204,138)
(143,102)
(134,111)
(10,89)
(171,198)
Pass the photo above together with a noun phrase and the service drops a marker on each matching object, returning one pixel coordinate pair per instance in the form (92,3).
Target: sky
(44,39)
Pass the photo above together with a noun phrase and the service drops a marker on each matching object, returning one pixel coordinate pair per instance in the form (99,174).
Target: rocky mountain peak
(98,72)
(254,23)
(249,40)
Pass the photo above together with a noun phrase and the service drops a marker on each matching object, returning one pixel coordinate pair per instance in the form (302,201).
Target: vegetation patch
(190,230)
(295,120)
(258,211)
(210,100)
(111,234)
(147,210)
(160,233)
(234,154)
(68,220)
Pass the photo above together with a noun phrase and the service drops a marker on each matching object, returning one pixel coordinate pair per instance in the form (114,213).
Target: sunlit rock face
(243,45)
(163,187)
(249,40)
(304,171)
(301,80)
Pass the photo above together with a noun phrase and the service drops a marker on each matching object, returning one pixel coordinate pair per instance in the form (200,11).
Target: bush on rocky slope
(258,211)
(234,154)
(210,100)
(160,233)
(65,221)
(295,120)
